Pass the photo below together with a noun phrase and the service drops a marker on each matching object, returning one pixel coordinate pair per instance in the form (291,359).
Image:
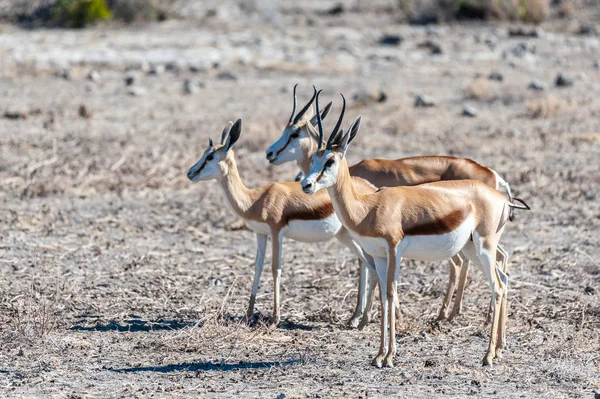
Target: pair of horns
(336,133)
(303,110)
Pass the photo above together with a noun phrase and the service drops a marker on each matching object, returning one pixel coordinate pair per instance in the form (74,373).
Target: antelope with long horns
(275,210)
(299,141)
(429,222)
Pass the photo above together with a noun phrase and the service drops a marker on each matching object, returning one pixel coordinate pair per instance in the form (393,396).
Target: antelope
(275,210)
(429,222)
(298,142)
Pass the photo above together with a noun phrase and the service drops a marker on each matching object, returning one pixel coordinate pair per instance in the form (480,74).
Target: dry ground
(119,278)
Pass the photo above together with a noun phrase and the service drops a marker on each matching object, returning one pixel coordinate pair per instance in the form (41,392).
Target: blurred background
(111,260)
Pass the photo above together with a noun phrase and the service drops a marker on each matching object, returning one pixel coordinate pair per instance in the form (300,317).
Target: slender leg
(460,292)
(455,265)
(381,266)
(261,246)
(365,262)
(503,255)
(372,279)
(392,299)
(277,241)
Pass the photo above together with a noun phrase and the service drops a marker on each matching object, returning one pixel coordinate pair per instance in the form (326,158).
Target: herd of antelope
(428,208)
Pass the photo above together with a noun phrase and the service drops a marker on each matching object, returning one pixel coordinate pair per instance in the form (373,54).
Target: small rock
(94,76)
(196,68)
(588,29)
(226,75)
(281,396)
(423,101)
(16,114)
(597,394)
(424,335)
(65,74)
(216,282)
(129,80)
(173,67)
(84,112)
(497,76)
(137,91)
(188,87)
(364,97)
(336,9)
(157,70)
(431,363)
(433,47)
(391,40)
(536,85)
(597,64)
(563,81)
(589,290)
(523,32)
(469,111)
(523,48)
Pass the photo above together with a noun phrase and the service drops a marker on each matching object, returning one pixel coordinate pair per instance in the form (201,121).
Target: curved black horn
(319,120)
(306,107)
(337,125)
(295,102)
(210,142)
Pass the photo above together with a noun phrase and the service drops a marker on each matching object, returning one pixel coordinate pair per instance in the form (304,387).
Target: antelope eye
(210,157)
(329,162)
(295,135)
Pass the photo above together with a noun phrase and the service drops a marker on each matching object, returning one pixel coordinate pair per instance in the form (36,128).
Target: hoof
(487,361)
(274,323)
(377,362)
(388,361)
(363,323)
(353,322)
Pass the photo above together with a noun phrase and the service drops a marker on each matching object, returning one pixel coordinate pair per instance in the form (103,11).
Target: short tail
(500,182)
(516,206)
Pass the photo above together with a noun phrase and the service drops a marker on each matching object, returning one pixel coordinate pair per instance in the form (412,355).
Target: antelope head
(298,133)
(212,163)
(326,161)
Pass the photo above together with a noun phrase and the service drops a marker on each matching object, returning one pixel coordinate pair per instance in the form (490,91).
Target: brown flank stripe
(438,226)
(321,212)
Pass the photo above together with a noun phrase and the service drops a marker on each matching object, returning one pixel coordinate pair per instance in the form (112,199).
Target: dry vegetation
(119,278)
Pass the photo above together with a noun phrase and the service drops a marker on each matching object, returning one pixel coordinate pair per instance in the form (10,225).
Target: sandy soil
(120,278)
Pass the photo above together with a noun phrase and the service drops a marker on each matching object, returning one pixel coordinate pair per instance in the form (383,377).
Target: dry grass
(481,89)
(545,107)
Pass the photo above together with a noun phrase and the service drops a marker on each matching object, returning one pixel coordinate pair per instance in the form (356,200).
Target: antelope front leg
(277,241)
(261,246)
(455,265)
(381,267)
(393,270)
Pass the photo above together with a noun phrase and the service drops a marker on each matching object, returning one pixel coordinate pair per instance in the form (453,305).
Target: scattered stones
(588,29)
(188,87)
(524,32)
(563,81)
(364,97)
(433,47)
(391,40)
(129,80)
(423,101)
(137,91)
(64,74)
(469,111)
(226,75)
(84,112)
(336,9)
(536,85)
(497,76)
(157,69)
(281,396)
(94,76)
(16,114)
(523,48)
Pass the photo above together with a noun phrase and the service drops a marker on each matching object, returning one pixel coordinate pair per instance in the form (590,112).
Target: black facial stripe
(203,165)
(286,144)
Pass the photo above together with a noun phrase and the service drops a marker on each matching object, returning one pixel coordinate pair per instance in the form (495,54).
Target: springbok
(275,210)
(298,143)
(429,222)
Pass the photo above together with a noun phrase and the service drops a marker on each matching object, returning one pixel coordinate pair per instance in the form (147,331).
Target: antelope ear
(350,136)
(234,135)
(226,132)
(312,132)
(324,113)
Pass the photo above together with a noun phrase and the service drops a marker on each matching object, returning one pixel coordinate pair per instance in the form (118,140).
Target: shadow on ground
(206,366)
(134,324)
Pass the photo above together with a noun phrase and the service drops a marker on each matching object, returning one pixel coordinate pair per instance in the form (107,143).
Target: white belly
(374,246)
(260,228)
(437,247)
(313,230)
